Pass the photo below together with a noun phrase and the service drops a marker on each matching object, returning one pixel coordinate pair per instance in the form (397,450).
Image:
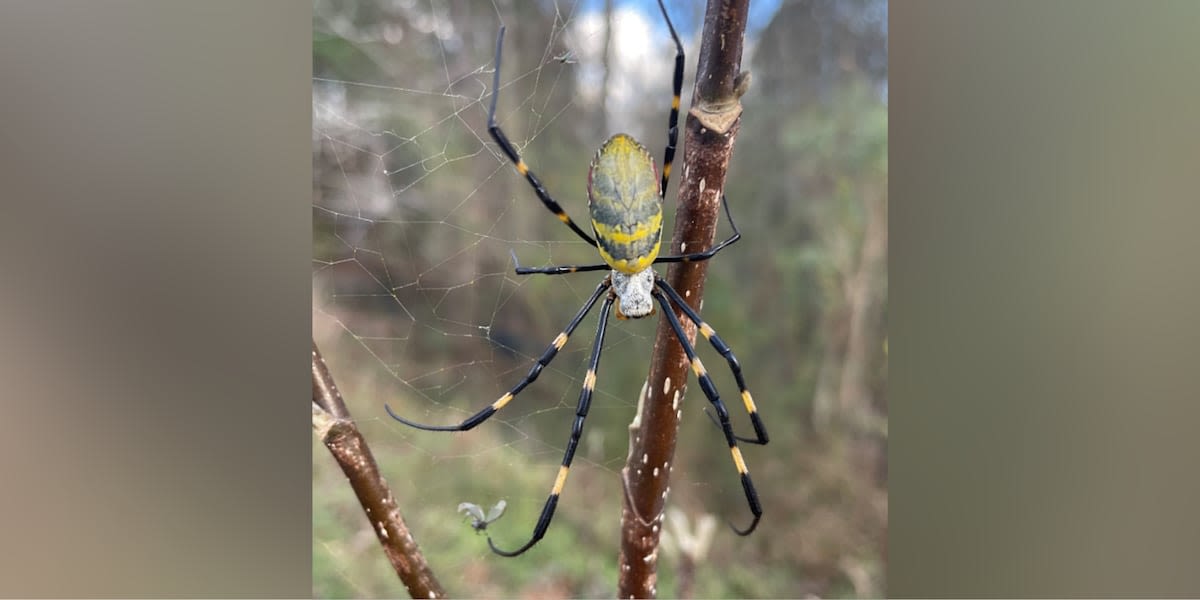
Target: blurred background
(416,215)
(1044,400)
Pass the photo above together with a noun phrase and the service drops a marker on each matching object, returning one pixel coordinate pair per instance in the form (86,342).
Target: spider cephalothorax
(625,200)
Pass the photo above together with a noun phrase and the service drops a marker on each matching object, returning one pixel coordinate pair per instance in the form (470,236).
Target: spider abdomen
(623,195)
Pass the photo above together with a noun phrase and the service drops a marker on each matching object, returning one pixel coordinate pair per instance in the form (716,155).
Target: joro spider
(625,199)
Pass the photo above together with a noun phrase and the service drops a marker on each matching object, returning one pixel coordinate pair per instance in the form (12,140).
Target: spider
(625,198)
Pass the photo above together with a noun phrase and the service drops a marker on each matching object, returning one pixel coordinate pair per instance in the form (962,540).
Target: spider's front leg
(511,152)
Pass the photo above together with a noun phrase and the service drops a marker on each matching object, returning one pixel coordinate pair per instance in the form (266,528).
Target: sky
(642,51)
(761,12)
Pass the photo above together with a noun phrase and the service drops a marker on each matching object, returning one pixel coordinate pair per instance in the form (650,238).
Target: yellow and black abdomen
(626,208)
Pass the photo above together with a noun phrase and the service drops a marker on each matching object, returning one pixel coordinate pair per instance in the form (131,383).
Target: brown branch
(709,132)
(325,393)
(332,423)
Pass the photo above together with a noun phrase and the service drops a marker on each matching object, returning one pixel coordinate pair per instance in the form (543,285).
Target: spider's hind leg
(710,334)
(585,401)
(710,392)
(548,355)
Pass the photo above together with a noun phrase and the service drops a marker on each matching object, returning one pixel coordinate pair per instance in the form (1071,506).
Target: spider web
(417,217)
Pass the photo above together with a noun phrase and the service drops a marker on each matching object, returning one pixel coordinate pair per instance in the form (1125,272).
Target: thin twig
(709,132)
(332,423)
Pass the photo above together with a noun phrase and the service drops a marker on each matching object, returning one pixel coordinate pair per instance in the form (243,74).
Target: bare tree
(711,127)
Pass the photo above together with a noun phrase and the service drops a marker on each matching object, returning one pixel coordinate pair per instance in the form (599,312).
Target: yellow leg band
(750,408)
(560,481)
(505,399)
(737,460)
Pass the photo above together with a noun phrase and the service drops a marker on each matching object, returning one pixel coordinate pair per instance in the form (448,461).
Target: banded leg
(710,334)
(547,356)
(697,257)
(710,391)
(711,252)
(585,401)
(560,270)
(673,120)
(511,152)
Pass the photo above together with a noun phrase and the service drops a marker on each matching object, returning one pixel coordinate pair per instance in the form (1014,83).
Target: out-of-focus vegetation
(415,213)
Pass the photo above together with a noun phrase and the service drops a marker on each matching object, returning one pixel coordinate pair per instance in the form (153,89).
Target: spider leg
(710,334)
(511,152)
(547,356)
(707,254)
(560,270)
(710,391)
(585,401)
(673,120)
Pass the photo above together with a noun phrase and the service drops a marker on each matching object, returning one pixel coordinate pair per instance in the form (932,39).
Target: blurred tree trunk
(852,331)
(607,61)
(865,292)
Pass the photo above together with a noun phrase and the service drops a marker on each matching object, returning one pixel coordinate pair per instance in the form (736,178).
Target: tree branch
(709,132)
(332,423)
